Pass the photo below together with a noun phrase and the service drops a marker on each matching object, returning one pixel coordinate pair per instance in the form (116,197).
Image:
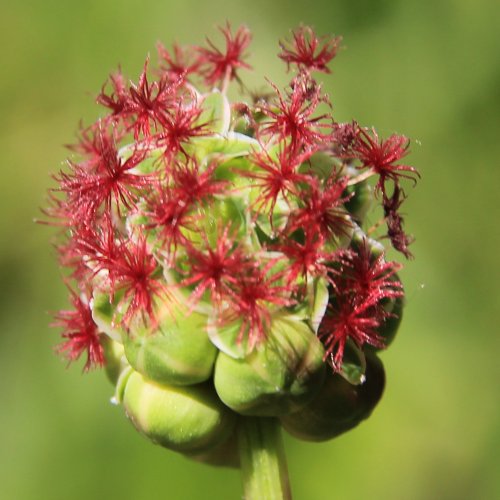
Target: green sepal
(389,328)
(121,383)
(230,144)
(282,374)
(106,315)
(186,419)
(176,351)
(114,355)
(353,366)
(227,213)
(216,112)
(228,338)
(339,406)
(321,298)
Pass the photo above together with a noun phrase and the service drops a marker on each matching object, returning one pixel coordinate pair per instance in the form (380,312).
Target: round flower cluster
(219,261)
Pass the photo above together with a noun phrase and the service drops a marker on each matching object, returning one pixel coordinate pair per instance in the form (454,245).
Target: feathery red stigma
(308,52)
(218,65)
(80,333)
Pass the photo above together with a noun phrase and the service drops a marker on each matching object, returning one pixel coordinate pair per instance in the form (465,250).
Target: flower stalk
(262,456)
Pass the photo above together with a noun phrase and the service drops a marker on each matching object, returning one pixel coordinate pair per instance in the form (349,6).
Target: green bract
(116,361)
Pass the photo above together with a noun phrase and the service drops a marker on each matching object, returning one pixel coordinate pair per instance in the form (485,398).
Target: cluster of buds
(219,261)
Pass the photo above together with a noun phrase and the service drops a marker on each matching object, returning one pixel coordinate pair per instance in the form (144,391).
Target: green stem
(263,462)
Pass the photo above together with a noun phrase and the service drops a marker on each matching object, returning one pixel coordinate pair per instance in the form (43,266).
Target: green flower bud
(280,375)
(177,352)
(185,419)
(339,407)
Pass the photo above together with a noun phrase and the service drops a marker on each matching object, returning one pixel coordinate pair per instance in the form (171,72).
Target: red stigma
(308,52)
(218,65)
(80,332)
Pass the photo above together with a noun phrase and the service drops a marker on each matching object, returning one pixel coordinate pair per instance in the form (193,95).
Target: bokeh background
(429,69)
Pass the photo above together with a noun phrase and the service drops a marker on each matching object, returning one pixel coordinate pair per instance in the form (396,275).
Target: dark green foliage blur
(428,69)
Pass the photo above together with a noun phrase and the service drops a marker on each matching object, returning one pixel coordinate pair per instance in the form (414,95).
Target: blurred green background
(429,69)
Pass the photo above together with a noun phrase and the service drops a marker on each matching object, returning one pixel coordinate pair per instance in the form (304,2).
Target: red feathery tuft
(276,177)
(179,126)
(214,268)
(255,293)
(136,271)
(80,332)
(365,274)
(126,265)
(361,283)
(149,102)
(117,100)
(349,317)
(219,66)
(306,258)
(322,213)
(192,183)
(169,216)
(180,64)
(109,181)
(292,117)
(309,52)
(381,156)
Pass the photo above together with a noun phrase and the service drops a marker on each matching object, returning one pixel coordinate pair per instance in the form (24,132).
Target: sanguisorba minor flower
(218,256)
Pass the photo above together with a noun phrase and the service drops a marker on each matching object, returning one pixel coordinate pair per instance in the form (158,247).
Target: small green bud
(177,352)
(185,419)
(339,407)
(280,375)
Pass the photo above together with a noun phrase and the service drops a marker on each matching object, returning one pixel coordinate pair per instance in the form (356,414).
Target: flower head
(221,250)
